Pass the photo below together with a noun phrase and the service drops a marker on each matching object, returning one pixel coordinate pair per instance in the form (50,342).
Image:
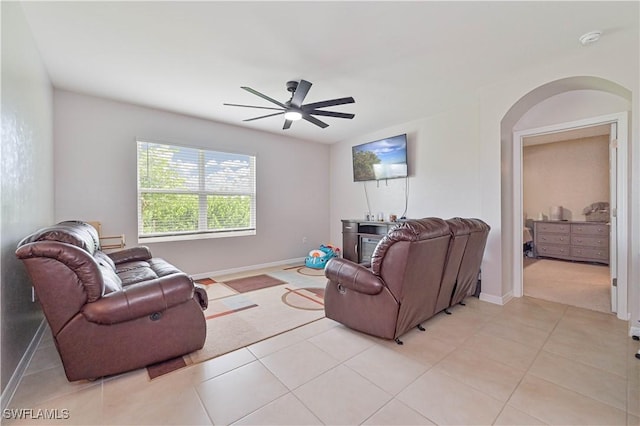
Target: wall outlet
(304,240)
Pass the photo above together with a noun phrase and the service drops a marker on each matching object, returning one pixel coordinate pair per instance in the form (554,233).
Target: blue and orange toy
(317,259)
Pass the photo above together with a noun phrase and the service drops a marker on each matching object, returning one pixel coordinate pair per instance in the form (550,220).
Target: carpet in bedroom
(584,285)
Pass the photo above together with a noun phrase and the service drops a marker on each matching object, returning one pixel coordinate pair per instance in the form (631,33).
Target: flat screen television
(381,159)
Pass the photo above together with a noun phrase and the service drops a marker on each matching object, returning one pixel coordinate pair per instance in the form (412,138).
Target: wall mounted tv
(381,159)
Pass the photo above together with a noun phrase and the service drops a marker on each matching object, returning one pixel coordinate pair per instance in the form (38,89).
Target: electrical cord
(406,198)
(366,195)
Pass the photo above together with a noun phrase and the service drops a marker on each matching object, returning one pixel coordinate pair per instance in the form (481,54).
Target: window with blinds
(187,193)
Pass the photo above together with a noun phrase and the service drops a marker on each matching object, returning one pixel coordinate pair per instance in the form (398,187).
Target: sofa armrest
(141,299)
(201,296)
(130,255)
(353,276)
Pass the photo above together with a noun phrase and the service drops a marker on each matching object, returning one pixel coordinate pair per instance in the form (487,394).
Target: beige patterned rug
(269,304)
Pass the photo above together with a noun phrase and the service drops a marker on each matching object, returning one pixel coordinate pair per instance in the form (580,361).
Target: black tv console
(360,237)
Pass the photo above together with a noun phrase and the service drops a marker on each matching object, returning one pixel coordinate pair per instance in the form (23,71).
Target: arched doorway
(511,154)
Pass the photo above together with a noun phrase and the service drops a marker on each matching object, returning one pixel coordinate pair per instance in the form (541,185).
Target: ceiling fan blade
(331,102)
(250,90)
(331,113)
(264,116)
(300,93)
(253,106)
(287,124)
(315,121)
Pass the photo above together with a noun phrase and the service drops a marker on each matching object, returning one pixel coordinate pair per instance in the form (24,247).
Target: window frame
(202,193)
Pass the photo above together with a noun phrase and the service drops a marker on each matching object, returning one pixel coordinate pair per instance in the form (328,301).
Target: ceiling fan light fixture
(292,115)
(294,109)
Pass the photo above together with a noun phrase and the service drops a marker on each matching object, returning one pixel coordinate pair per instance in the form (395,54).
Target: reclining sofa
(114,312)
(421,267)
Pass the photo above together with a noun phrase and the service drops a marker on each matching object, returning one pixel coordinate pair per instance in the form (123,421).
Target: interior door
(613,205)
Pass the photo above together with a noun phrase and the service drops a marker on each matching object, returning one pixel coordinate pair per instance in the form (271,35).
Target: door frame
(622,213)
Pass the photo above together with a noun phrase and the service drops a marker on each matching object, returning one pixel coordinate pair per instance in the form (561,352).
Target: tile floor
(528,362)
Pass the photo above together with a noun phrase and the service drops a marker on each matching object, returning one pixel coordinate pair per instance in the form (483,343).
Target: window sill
(203,236)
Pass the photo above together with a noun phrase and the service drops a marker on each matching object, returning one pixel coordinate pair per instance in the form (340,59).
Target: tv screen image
(381,159)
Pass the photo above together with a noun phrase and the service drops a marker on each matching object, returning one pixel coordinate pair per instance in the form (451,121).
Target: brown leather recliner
(400,290)
(114,312)
(457,248)
(467,278)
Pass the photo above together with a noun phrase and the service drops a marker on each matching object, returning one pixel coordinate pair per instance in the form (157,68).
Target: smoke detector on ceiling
(590,37)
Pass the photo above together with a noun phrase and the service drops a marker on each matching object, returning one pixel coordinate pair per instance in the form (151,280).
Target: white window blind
(194,193)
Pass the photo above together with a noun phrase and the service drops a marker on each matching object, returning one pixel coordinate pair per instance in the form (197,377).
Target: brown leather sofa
(114,312)
(401,288)
(416,270)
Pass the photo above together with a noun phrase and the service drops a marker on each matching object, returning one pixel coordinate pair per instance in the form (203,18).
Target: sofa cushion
(101,256)
(130,266)
(162,267)
(134,272)
(112,281)
(136,275)
(77,233)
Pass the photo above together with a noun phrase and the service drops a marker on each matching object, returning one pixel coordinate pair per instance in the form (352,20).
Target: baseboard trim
(299,260)
(14,381)
(497,300)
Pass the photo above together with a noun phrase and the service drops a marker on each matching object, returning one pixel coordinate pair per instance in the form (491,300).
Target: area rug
(255,282)
(164,367)
(245,310)
(304,270)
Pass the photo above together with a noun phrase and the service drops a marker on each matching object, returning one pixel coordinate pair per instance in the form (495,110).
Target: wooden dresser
(582,241)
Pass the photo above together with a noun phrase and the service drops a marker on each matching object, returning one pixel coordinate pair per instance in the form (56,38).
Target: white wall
(95,169)
(570,173)
(571,106)
(443,172)
(614,58)
(27,179)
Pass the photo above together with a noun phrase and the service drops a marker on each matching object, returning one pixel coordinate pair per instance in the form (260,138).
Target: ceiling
(400,60)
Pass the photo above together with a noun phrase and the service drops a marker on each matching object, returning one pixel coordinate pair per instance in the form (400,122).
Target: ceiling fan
(294,110)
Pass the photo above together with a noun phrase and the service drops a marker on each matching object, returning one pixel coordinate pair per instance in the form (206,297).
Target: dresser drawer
(349,226)
(591,254)
(553,239)
(553,250)
(588,241)
(558,228)
(590,229)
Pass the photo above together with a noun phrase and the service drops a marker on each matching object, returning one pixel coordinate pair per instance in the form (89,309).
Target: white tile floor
(528,362)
